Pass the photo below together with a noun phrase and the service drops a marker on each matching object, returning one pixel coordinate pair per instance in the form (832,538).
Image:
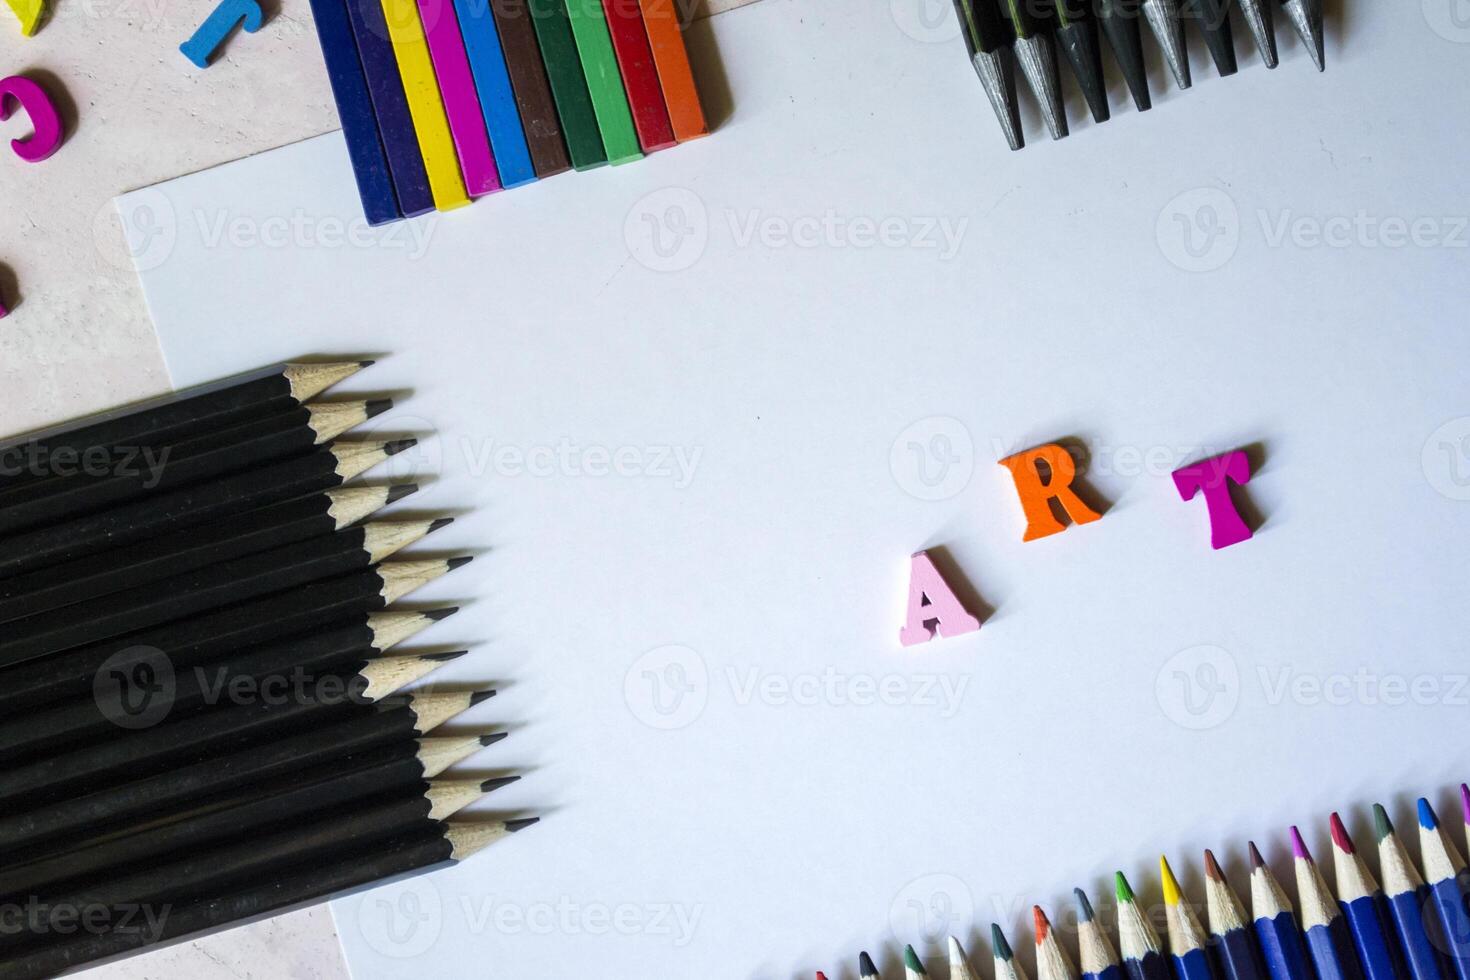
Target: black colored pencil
(253,444)
(348,646)
(331,876)
(396,770)
(322,469)
(1077,37)
(214,634)
(988,42)
(1119,21)
(205,589)
(183,551)
(1212,17)
(387,721)
(174,417)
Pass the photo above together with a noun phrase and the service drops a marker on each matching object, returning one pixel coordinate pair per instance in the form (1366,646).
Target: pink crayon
(461,104)
(1212,477)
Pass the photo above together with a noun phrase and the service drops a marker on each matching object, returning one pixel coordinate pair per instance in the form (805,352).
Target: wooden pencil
(337,875)
(913,967)
(1235,945)
(216,586)
(1328,938)
(1364,908)
(959,963)
(640,77)
(196,640)
(1099,959)
(273,526)
(174,417)
(533,99)
(322,469)
(568,83)
(1187,943)
(671,58)
(1143,953)
(1449,886)
(1275,924)
(257,443)
(1407,899)
(1052,961)
(866,969)
(390,720)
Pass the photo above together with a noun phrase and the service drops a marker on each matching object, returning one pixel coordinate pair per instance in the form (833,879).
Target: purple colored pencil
(461,103)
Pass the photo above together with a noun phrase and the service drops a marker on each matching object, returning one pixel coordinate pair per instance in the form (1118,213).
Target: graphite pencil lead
(378,406)
(1213,20)
(399,446)
(440,522)
(959,963)
(495,782)
(438,754)
(1077,37)
(386,675)
(1165,21)
(398,491)
(460,562)
(1121,27)
(1259,19)
(402,577)
(492,738)
(385,538)
(444,657)
(480,697)
(330,419)
(348,505)
(449,796)
(912,968)
(309,380)
(441,614)
(1306,20)
(391,628)
(866,968)
(516,826)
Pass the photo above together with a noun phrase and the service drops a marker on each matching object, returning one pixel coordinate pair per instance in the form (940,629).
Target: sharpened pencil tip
(821,975)
(439,614)
(495,782)
(492,738)
(865,965)
(1427,818)
(366,364)
(911,961)
(1340,835)
(444,658)
(1040,923)
(400,490)
(1122,888)
(479,697)
(1299,846)
(441,522)
(1172,894)
(1465,802)
(1256,860)
(516,826)
(1382,826)
(377,406)
(398,446)
(1213,870)
(998,943)
(1084,907)
(459,562)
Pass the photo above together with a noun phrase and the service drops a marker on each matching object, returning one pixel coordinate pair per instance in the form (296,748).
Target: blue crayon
(1445,872)
(1099,960)
(1407,901)
(497,98)
(355,110)
(1143,957)
(1275,925)
(1365,910)
(1328,939)
(1235,945)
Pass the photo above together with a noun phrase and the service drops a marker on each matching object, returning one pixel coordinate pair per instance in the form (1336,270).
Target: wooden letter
(1212,477)
(1037,493)
(931,600)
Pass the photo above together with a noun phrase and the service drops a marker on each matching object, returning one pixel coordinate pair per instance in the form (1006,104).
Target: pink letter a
(931,600)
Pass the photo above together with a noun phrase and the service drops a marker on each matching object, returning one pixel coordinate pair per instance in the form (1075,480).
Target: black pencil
(393,771)
(333,876)
(1119,21)
(214,634)
(253,444)
(348,646)
(171,418)
(257,716)
(390,720)
(205,589)
(93,576)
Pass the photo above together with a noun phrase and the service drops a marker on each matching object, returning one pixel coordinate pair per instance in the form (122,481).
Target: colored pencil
(1329,940)
(1275,925)
(457,89)
(334,874)
(988,41)
(322,469)
(1258,18)
(959,963)
(568,83)
(214,587)
(1076,32)
(1365,909)
(394,719)
(1186,936)
(1037,54)
(1465,810)
(355,112)
(1305,17)
(425,103)
(640,77)
(866,969)
(604,83)
(913,969)
(189,642)
(1166,22)
(1143,957)
(482,45)
(1099,959)
(1407,899)
(1006,966)
(1120,24)
(1235,946)
(671,58)
(394,771)
(1449,885)
(175,417)
(273,526)
(349,645)
(528,81)
(1212,17)
(390,107)
(1052,961)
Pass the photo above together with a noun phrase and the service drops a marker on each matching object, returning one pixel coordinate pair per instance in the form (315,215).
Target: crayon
(671,58)
(425,106)
(604,82)
(497,99)
(461,104)
(568,83)
(640,77)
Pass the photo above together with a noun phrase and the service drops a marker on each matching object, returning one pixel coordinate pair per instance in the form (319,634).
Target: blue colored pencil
(1143,956)
(1275,925)
(1235,945)
(1328,938)
(1365,909)
(1099,960)
(1449,885)
(497,98)
(1407,898)
(1186,936)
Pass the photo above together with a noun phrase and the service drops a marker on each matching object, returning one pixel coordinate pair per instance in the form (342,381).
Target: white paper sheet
(699,410)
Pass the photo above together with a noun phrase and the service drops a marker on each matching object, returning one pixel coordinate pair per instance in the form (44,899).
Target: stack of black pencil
(203,719)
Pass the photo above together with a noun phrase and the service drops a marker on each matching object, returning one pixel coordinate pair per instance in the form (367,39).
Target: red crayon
(640,77)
